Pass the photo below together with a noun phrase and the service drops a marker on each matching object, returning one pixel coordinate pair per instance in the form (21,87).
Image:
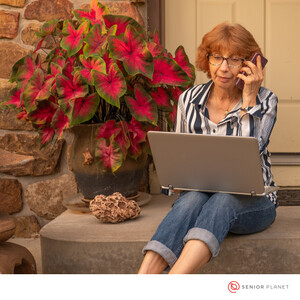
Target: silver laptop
(208,163)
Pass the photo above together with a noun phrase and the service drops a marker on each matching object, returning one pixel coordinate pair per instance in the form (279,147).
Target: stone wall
(33,181)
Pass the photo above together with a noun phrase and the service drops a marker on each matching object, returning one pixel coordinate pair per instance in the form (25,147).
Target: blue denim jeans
(209,217)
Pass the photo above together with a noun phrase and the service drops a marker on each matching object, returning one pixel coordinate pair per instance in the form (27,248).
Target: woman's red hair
(233,38)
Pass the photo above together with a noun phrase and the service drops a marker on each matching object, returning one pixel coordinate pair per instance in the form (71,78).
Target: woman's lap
(209,217)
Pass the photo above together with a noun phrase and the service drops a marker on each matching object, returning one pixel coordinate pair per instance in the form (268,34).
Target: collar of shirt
(200,98)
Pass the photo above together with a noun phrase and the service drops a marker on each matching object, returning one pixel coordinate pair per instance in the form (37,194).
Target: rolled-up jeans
(209,217)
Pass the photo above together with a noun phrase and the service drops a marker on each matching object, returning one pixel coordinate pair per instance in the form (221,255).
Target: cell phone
(240,83)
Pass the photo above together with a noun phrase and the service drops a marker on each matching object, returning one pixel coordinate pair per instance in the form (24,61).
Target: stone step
(77,242)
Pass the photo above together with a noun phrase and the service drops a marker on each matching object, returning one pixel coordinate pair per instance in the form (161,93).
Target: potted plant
(104,69)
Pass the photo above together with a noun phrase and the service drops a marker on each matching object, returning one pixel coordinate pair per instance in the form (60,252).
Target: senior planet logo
(233,286)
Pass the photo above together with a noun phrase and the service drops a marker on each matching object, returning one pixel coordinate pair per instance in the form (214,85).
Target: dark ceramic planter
(91,180)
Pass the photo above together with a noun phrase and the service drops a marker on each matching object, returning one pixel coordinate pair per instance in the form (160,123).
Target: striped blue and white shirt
(258,122)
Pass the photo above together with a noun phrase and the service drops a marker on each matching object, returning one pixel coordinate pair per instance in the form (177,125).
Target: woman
(192,232)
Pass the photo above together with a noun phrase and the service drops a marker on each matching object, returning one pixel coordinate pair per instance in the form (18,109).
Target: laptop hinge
(169,191)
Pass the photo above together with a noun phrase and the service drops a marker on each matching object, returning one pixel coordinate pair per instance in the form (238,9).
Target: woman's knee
(223,201)
(190,200)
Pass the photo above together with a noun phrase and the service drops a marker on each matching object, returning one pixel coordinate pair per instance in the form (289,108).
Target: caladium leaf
(155,46)
(72,41)
(135,149)
(38,46)
(139,134)
(107,130)
(183,61)
(46,135)
(110,86)
(132,50)
(176,92)
(68,70)
(68,90)
(48,28)
(55,56)
(108,60)
(23,69)
(142,108)
(55,69)
(60,122)
(155,37)
(109,154)
(84,108)
(14,99)
(161,98)
(97,10)
(22,115)
(123,138)
(155,49)
(167,71)
(122,22)
(96,40)
(89,64)
(37,89)
(44,113)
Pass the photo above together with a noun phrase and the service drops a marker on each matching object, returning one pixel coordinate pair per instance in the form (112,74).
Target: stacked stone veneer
(34,182)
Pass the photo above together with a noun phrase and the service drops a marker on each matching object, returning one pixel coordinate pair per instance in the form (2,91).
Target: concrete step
(78,243)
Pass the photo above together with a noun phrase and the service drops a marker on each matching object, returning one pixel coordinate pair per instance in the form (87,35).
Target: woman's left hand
(252,82)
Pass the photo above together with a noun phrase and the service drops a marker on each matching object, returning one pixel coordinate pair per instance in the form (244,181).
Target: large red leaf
(14,99)
(46,135)
(155,49)
(138,133)
(68,70)
(69,89)
(109,154)
(72,41)
(176,92)
(60,122)
(48,28)
(37,89)
(161,98)
(135,149)
(84,108)
(110,86)
(132,50)
(107,130)
(183,61)
(94,41)
(54,69)
(23,69)
(167,71)
(44,113)
(123,137)
(22,115)
(108,60)
(94,15)
(89,64)
(142,107)
(155,46)
(122,22)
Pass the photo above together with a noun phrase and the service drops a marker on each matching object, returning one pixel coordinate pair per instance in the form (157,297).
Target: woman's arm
(260,120)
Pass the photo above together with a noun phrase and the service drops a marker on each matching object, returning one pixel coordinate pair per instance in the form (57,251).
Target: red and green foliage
(106,69)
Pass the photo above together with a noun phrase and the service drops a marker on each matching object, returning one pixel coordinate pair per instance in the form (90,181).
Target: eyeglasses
(217,60)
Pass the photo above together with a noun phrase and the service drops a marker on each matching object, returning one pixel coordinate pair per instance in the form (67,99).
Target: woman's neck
(224,96)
